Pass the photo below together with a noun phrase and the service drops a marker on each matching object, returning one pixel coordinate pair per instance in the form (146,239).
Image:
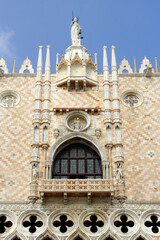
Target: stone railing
(54,186)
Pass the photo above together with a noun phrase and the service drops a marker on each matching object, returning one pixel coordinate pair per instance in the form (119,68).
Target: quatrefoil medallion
(33,224)
(4,224)
(154,224)
(63,223)
(124,223)
(93,223)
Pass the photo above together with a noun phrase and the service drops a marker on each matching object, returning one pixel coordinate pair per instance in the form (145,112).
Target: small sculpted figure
(75,32)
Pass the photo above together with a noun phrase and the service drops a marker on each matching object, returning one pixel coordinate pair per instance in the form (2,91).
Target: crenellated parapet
(3,66)
(125,67)
(26,66)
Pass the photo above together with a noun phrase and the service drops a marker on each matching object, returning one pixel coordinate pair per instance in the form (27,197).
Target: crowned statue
(75,32)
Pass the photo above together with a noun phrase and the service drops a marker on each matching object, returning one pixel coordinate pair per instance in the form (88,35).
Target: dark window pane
(73,166)
(98,177)
(90,177)
(90,166)
(91,153)
(73,152)
(81,152)
(81,166)
(64,153)
(64,166)
(56,167)
(80,160)
(97,166)
(56,177)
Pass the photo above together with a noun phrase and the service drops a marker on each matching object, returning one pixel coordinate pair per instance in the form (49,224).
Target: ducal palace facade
(80,151)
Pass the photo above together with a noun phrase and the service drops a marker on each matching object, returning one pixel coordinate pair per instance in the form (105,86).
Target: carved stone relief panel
(77,121)
(9,98)
(132,98)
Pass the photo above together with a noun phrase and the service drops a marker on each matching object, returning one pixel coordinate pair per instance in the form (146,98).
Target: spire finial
(95,55)
(156,65)
(105,64)
(114,64)
(135,67)
(48,57)
(39,64)
(14,66)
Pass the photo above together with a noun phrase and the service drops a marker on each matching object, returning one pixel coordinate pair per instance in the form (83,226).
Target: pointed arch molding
(78,233)
(77,137)
(142,234)
(16,234)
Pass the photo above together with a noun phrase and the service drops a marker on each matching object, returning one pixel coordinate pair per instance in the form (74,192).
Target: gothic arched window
(77,161)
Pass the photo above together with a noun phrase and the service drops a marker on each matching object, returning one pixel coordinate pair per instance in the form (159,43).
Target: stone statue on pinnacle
(75,32)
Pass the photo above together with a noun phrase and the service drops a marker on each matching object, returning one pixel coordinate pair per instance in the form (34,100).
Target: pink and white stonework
(80,150)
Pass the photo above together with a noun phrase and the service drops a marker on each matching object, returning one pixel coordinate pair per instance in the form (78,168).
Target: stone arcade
(80,150)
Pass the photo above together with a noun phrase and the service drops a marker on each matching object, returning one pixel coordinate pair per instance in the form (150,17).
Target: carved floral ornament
(132,98)
(77,121)
(9,98)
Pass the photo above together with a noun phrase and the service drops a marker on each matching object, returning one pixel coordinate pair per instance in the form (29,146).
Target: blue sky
(130,25)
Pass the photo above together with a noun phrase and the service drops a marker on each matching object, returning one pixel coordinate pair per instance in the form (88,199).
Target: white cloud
(6,46)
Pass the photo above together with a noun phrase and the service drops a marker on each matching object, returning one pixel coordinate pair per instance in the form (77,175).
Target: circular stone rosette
(150,222)
(7,223)
(32,223)
(9,98)
(132,98)
(77,121)
(63,223)
(94,222)
(124,222)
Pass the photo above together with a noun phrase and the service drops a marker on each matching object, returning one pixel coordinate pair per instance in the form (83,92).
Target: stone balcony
(76,187)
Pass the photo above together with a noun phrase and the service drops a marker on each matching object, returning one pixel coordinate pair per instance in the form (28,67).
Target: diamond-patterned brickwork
(15,139)
(141,134)
(141,137)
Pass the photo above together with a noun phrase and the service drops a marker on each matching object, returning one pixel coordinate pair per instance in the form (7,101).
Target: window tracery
(5,224)
(124,223)
(131,98)
(93,223)
(63,223)
(32,224)
(153,223)
(9,98)
(77,161)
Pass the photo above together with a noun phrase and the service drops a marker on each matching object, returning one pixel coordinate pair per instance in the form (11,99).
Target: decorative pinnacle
(156,65)
(57,55)
(14,66)
(135,67)
(114,64)
(105,60)
(48,57)
(95,58)
(39,64)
